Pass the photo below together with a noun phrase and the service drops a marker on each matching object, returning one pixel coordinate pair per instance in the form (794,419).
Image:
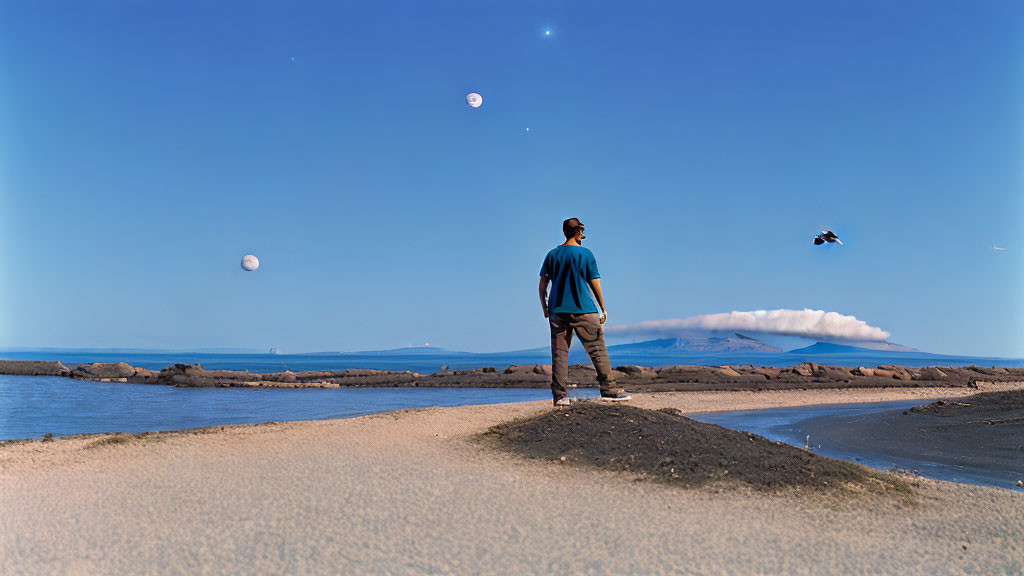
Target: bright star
(547,32)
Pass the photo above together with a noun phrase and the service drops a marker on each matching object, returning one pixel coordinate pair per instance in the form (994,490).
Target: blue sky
(147,147)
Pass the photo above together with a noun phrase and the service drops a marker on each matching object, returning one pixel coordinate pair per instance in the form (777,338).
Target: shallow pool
(31,406)
(792,425)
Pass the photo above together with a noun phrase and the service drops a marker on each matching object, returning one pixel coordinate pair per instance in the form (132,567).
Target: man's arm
(544,294)
(595,286)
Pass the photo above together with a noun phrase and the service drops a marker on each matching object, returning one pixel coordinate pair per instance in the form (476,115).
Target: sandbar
(413,492)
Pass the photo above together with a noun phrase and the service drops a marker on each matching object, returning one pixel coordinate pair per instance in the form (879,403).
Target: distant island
(704,345)
(710,344)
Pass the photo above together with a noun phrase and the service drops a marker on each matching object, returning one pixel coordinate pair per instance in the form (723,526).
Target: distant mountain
(886,347)
(833,348)
(695,345)
(410,351)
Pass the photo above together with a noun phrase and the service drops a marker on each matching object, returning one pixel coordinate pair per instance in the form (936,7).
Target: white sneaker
(616,397)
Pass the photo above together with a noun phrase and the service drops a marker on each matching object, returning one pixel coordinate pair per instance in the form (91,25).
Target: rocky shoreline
(633,378)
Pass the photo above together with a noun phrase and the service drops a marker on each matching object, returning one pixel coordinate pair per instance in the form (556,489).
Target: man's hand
(595,287)
(543,289)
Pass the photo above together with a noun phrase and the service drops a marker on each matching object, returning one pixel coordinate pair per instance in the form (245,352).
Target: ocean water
(425,363)
(31,406)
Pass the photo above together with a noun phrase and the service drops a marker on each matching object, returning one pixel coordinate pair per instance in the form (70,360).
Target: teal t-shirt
(569,268)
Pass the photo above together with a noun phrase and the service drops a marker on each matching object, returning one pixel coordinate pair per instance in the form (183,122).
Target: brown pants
(588,328)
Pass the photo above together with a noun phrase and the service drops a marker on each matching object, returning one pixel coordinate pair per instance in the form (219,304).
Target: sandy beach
(418,492)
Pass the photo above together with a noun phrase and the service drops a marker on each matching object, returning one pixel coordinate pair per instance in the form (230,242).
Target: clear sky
(146,147)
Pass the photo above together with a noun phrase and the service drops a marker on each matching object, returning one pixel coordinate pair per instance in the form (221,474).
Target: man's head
(573,228)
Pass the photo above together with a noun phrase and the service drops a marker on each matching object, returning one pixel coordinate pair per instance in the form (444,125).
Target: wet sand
(418,492)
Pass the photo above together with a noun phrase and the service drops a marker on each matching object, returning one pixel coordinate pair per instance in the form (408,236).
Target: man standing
(570,268)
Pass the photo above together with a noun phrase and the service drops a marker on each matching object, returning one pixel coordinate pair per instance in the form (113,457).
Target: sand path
(413,492)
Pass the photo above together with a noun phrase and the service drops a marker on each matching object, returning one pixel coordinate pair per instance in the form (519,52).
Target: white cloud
(815,324)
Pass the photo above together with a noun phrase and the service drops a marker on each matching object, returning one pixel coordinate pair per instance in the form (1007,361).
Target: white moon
(250,263)
(474,100)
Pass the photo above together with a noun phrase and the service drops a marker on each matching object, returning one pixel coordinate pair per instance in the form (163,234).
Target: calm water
(31,406)
(785,425)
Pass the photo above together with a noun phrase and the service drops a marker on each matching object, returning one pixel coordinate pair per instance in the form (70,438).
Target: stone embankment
(634,378)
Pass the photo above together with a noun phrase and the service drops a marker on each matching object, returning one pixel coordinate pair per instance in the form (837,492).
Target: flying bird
(826,236)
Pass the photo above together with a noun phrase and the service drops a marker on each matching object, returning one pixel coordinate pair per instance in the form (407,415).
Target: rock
(768,372)
(1020,482)
(312,375)
(637,371)
(881,373)
(863,371)
(931,373)
(836,373)
(98,370)
(488,370)
(145,376)
(33,368)
(368,372)
(728,371)
(519,369)
(188,375)
(287,376)
(684,372)
(806,369)
(527,369)
(468,372)
(898,372)
(669,370)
